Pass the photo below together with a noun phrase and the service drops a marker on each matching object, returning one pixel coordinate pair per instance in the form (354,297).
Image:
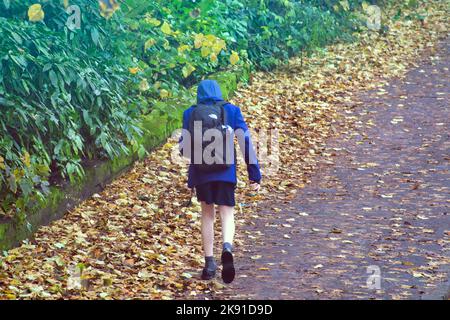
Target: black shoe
(228,271)
(208,274)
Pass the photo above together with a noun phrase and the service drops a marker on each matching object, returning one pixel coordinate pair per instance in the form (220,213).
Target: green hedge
(67,96)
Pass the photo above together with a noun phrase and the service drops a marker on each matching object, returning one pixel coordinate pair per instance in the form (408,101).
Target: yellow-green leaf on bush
(35,13)
(2,163)
(345,5)
(218,46)
(163,93)
(205,51)
(42,170)
(154,22)
(157,85)
(198,40)
(26,159)
(183,48)
(209,40)
(166,29)
(187,70)
(365,5)
(234,58)
(144,86)
(18,174)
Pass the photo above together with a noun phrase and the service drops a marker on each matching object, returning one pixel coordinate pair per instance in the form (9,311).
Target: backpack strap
(221,104)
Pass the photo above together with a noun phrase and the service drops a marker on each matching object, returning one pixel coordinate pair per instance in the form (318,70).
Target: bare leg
(208,215)
(227,219)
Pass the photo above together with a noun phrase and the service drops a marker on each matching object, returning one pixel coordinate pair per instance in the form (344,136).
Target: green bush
(62,96)
(67,96)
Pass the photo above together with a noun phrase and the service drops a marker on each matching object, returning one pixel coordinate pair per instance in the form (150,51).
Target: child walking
(215,184)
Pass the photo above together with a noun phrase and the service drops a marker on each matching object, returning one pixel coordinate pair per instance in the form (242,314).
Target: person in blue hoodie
(218,187)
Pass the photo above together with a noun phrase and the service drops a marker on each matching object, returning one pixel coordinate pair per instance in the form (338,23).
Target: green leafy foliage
(62,96)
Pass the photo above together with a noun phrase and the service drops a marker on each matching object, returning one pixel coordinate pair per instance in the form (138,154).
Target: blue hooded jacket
(208,92)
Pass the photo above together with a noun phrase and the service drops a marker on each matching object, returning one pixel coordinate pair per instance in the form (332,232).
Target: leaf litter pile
(137,239)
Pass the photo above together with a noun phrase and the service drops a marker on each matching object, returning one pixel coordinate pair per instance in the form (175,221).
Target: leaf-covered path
(379,195)
(383,200)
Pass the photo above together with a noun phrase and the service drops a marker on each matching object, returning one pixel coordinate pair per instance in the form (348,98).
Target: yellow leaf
(234,58)
(187,70)
(2,163)
(35,13)
(365,5)
(205,52)
(210,38)
(26,159)
(163,93)
(11,296)
(154,22)
(183,48)
(218,46)
(345,5)
(207,43)
(213,57)
(134,70)
(18,174)
(165,28)
(198,40)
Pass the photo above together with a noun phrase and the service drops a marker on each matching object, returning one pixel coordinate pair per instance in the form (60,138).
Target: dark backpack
(210,116)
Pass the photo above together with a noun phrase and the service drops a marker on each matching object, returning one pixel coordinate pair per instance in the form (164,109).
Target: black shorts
(217,192)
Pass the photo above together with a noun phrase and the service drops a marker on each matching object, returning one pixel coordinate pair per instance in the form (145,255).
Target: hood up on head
(208,91)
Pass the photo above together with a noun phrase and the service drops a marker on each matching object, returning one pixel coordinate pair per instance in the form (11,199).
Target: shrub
(62,97)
